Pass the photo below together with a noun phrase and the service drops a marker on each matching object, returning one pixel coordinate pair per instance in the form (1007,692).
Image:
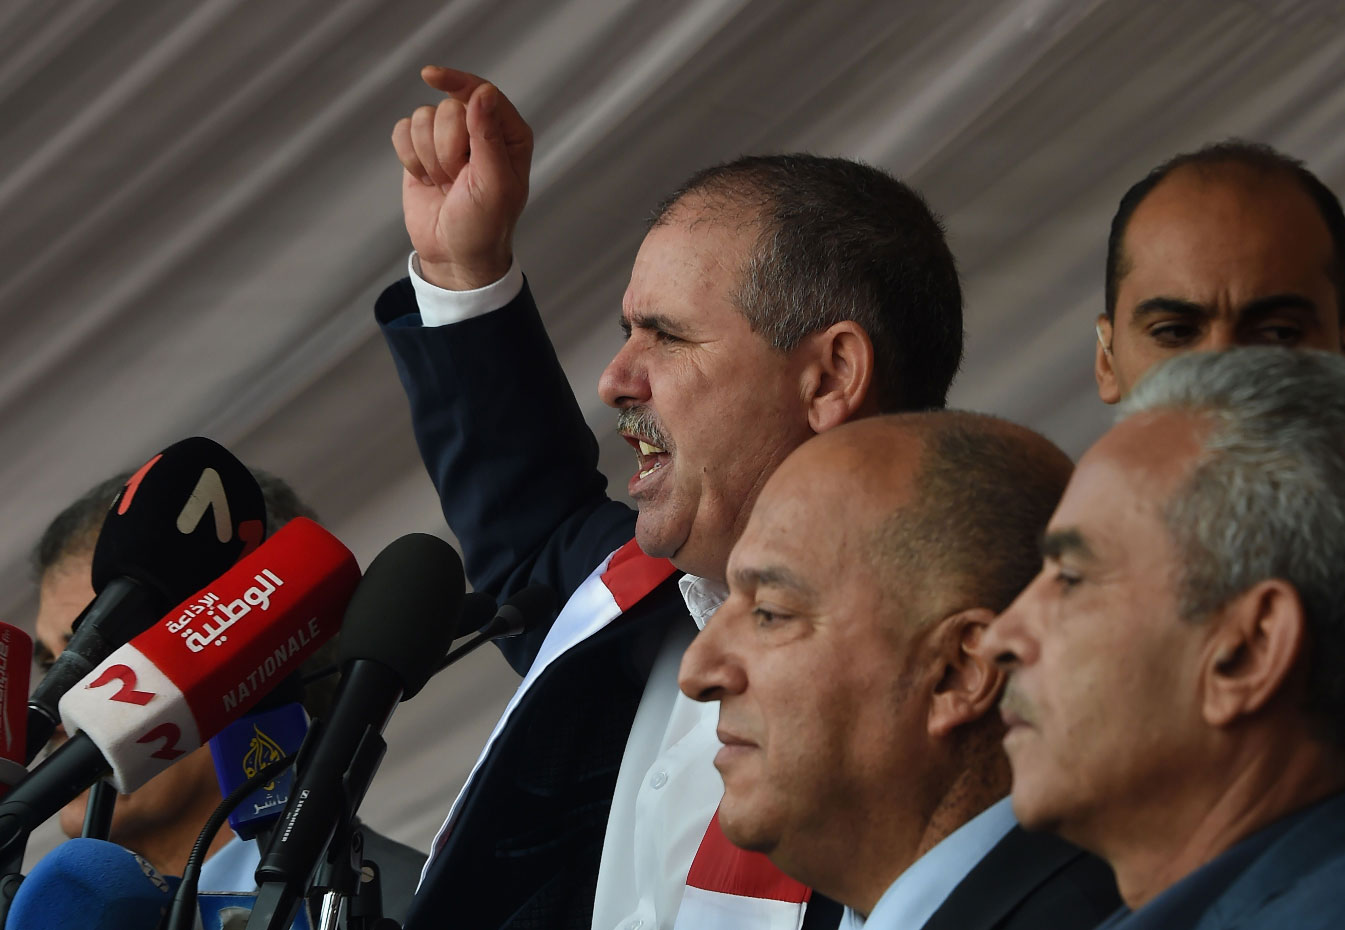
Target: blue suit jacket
(1298,882)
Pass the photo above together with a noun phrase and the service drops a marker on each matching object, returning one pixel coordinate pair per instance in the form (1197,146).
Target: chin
(743,830)
(1029,809)
(654,537)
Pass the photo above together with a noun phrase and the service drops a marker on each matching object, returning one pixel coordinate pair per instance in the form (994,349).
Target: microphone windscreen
(88,884)
(182,519)
(403,614)
(215,656)
(16,662)
(248,745)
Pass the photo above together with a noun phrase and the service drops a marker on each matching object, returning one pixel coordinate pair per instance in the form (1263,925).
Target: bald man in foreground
(861,748)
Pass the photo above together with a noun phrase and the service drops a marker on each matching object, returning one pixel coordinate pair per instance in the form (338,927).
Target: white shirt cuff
(439,306)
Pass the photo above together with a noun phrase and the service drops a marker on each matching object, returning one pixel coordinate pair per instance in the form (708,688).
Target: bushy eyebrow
(1261,306)
(1057,543)
(653,321)
(771,576)
(1156,305)
(1265,306)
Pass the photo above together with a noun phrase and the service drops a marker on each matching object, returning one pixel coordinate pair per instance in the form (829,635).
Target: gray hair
(1267,497)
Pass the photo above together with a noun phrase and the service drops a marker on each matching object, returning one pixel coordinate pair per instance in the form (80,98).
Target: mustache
(1014,703)
(642,421)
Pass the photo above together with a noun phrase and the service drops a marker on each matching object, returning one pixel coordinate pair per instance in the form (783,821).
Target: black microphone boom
(390,642)
(522,613)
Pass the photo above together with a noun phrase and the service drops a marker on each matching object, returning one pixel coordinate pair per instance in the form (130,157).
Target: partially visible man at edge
(861,738)
(161,820)
(772,299)
(1175,700)
(1233,244)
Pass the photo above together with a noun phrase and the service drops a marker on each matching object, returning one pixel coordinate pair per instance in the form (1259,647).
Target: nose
(1008,641)
(710,671)
(624,382)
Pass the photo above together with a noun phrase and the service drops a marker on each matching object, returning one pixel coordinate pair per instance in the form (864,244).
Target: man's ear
(838,377)
(1253,653)
(1107,387)
(971,682)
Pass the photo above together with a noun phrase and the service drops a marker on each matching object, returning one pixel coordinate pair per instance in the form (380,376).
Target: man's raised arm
(499,431)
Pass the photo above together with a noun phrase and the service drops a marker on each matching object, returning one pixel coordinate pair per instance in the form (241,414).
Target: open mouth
(650,457)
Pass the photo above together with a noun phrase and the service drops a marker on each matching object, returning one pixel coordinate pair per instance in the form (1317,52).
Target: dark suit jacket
(516,470)
(1288,876)
(1030,881)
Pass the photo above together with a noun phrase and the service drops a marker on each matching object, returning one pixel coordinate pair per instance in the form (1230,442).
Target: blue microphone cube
(244,748)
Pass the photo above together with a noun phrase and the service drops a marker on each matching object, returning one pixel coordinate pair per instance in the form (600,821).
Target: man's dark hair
(74,531)
(1253,155)
(983,494)
(840,240)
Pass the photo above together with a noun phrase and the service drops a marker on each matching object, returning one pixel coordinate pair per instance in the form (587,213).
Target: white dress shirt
(667,789)
(918,892)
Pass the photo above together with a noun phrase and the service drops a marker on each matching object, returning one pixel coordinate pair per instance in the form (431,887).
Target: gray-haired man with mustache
(773,298)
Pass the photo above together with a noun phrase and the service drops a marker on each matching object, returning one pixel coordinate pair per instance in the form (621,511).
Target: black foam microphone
(391,641)
(182,520)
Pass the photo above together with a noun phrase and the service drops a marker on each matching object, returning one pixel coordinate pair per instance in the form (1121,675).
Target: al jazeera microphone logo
(262,751)
(247,746)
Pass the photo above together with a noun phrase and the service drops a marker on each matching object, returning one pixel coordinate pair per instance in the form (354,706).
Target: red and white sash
(732,889)
(728,888)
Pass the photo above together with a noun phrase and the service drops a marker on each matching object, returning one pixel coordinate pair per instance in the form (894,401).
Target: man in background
(1234,244)
(161,820)
(861,746)
(1175,701)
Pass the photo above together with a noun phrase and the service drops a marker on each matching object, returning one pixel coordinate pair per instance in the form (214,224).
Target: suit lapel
(1017,865)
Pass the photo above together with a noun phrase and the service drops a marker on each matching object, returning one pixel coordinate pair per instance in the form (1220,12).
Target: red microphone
(206,663)
(16,660)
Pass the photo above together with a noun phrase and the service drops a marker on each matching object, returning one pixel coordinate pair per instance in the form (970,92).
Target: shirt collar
(919,891)
(703,597)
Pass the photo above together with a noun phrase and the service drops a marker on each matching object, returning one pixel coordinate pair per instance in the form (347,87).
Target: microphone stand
(10,879)
(339,874)
(98,812)
(342,874)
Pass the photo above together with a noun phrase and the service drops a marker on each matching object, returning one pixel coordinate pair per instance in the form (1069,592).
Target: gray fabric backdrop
(200,203)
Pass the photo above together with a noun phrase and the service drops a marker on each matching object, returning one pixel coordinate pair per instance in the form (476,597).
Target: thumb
(489,154)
